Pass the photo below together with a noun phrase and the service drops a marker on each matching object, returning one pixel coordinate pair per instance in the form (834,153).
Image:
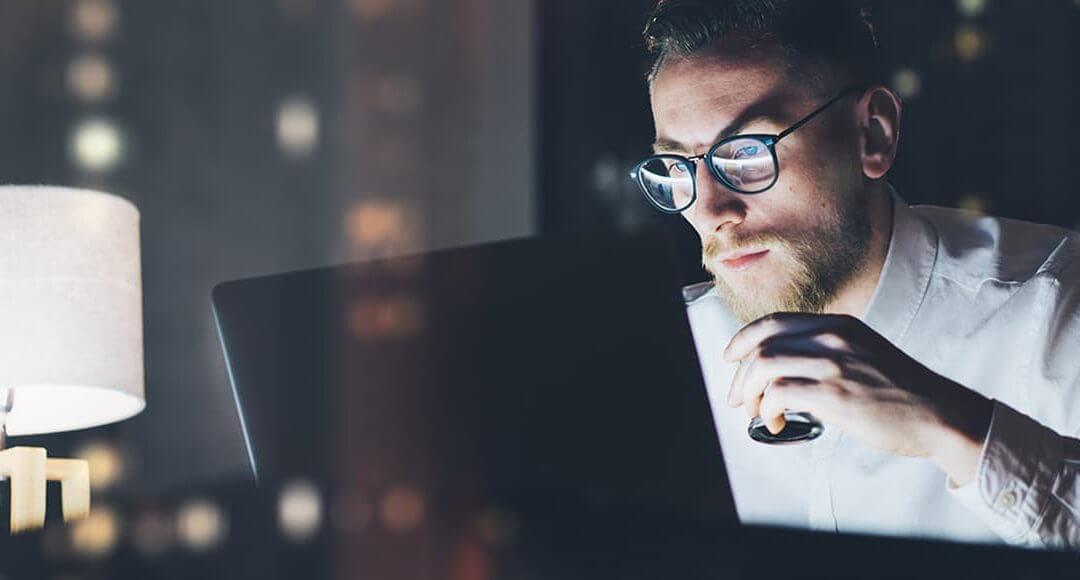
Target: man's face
(792,247)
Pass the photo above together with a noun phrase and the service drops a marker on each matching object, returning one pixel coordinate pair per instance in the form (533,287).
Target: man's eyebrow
(764,109)
(664,145)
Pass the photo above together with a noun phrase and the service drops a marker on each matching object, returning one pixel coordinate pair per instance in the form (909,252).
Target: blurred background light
(376,223)
(386,317)
(90,78)
(402,509)
(907,83)
(970,42)
(971,8)
(97,145)
(297,127)
(201,525)
(300,511)
(94,20)
(96,535)
(472,561)
(606,175)
(106,463)
(975,203)
(371,9)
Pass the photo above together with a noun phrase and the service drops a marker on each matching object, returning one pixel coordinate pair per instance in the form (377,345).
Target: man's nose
(717,206)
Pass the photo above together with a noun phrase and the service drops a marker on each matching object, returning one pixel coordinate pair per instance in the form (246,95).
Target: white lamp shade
(71,343)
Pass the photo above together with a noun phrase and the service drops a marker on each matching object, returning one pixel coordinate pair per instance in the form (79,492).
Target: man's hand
(841,371)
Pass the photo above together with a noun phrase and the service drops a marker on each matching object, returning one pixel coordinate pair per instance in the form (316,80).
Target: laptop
(543,395)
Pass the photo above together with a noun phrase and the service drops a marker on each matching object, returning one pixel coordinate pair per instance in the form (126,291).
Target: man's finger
(827,345)
(734,396)
(779,324)
(768,369)
(784,394)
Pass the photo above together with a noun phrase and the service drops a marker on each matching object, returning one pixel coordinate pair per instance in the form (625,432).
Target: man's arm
(1020,477)
(1027,482)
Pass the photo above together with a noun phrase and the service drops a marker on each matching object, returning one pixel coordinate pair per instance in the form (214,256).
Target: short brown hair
(838,34)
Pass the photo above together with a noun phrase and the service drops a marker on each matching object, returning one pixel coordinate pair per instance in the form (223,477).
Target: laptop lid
(547,373)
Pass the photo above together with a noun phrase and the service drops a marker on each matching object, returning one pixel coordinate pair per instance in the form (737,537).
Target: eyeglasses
(743,163)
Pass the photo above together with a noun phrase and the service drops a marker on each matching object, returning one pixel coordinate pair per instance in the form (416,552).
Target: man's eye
(676,169)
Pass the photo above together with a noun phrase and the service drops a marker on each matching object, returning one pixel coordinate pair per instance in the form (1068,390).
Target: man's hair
(818,37)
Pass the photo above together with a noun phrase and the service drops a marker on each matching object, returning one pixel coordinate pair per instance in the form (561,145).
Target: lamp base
(29,468)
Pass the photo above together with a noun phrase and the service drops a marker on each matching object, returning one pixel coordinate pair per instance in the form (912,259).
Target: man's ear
(878,117)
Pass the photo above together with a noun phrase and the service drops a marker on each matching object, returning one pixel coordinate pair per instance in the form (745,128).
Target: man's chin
(749,303)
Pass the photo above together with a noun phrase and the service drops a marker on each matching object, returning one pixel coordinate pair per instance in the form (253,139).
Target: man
(940,349)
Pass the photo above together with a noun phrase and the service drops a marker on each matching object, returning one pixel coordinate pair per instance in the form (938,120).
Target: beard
(821,261)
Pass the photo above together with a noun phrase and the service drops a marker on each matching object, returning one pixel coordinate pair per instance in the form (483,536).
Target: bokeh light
(94,20)
(300,511)
(106,463)
(975,203)
(375,318)
(90,78)
(907,83)
(201,525)
(298,127)
(970,43)
(376,223)
(971,8)
(402,509)
(97,145)
(95,535)
(471,561)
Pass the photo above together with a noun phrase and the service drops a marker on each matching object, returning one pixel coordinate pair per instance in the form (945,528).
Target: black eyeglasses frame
(769,141)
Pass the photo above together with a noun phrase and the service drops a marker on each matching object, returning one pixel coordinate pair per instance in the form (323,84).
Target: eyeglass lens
(745,164)
(668,181)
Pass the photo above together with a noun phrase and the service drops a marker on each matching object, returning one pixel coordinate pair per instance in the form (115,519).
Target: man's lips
(742,260)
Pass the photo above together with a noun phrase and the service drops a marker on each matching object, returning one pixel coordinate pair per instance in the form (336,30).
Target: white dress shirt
(993,304)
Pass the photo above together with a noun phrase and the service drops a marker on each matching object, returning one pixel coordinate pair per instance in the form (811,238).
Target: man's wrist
(964,421)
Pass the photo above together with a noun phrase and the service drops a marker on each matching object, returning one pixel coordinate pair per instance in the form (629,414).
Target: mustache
(714,246)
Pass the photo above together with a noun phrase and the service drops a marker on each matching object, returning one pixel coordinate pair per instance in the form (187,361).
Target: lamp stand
(28,468)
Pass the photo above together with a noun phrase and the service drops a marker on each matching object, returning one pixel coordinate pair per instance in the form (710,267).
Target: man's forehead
(731,64)
(695,99)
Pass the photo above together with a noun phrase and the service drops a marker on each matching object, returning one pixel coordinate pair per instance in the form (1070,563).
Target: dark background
(269,135)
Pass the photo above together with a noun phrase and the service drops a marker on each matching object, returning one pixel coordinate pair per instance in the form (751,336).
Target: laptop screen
(552,382)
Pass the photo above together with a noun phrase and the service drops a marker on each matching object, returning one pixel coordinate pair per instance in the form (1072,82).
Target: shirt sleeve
(1027,485)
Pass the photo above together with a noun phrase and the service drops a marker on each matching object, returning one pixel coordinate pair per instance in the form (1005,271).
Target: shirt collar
(906,274)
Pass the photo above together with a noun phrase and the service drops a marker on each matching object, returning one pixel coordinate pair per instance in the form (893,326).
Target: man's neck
(854,297)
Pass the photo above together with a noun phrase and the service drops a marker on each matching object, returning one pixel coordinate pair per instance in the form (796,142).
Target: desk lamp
(71,353)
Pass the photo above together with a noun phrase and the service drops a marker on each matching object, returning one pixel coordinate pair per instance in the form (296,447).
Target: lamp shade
(70,308)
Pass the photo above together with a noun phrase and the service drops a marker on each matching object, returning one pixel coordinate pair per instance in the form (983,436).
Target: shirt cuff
(1020,462)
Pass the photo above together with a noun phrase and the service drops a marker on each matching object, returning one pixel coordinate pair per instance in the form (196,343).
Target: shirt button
(1006,499)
